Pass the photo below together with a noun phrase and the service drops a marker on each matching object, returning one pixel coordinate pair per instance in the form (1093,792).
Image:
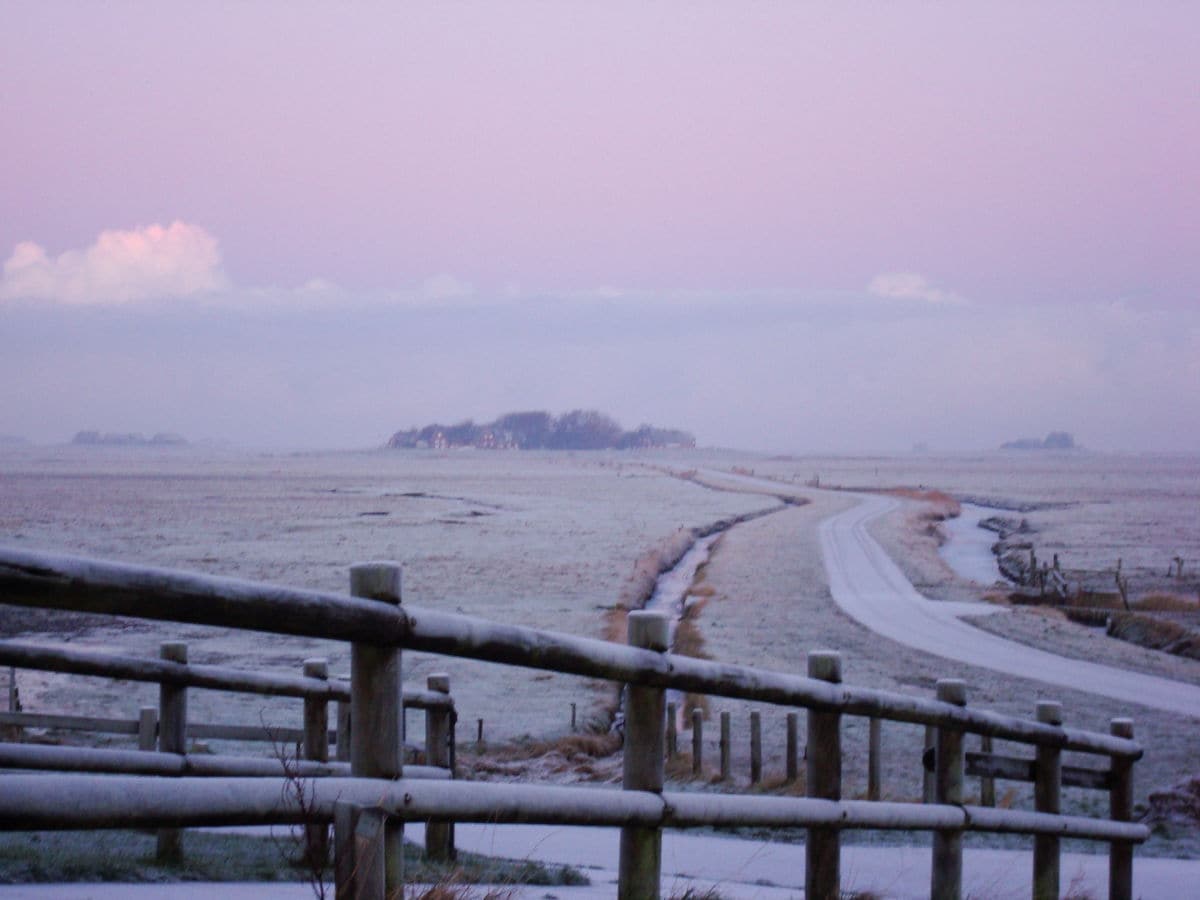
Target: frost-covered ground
(550,540)
(537,539)
(1090,508)
(775,564)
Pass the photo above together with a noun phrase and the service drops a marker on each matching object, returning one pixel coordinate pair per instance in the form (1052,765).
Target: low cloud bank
(911,286)
(176,260)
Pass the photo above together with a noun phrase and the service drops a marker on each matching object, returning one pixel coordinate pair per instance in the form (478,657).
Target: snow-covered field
(536,539)
(551,540)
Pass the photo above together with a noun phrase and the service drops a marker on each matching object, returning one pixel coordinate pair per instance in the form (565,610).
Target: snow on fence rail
(22,655)
(381,795)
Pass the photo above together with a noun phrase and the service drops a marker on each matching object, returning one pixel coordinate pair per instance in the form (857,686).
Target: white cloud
(154,262)
(445,287)
(911,286)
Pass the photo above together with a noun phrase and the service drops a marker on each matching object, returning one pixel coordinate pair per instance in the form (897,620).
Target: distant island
(127,439)
(579,429)
(1055,440)
(13,440)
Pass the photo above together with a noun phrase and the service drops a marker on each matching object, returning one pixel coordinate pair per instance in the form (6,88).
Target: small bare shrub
(451,887)
(693,893)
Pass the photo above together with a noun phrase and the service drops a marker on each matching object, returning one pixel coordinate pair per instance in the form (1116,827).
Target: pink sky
(1010,149)
(1005,155)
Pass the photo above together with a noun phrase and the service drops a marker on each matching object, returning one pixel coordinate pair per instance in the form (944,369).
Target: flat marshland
(557,540)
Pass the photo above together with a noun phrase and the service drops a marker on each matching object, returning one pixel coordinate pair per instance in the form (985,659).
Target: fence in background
(369,808)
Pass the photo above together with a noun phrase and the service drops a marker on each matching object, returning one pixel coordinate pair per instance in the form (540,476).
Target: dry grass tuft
(943,505)
(1164,602)
(585,757)
(779,785)
(688,639)
(572,747)
(451,887)
(690,642)
(638,588)
(616,624)
(694,893)
(679,767)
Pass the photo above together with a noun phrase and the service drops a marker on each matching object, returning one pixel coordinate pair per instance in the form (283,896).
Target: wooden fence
(369,808)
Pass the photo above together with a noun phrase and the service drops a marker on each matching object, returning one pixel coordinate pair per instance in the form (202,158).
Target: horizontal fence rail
(119,802)
(142,762)
(85,585)
(24,655)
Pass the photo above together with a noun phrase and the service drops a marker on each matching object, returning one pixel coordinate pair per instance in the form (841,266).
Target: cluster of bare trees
(579,429)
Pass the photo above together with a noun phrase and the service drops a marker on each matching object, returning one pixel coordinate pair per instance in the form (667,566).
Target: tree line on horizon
(579,429)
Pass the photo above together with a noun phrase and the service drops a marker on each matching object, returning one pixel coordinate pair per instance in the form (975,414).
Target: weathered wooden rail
(23,655)
(167,726)
(369,808)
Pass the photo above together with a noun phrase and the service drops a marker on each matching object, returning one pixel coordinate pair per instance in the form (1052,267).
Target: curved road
(871,589)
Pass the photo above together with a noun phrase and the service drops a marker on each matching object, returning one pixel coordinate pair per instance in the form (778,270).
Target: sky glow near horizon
(783,227)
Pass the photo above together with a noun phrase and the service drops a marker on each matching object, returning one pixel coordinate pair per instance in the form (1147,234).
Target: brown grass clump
(587,757)
(616,624)
(778,784)
(944,505)
(1164,602)
(638,588)
(690,642)
(697,894)
(1155,633)
(452,886)
(679,767)
(573,747)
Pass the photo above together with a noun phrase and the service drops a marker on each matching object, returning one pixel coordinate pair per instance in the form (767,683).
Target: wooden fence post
(822,873)
(987,784)
(726,756)
(697,741)
(946,882)
(344,730)
(358,852)
(755,746)
(147,727)
(928,791)
(1047,798)
(14,701)
(316,748)
(439,843)
(172,738)
(316,714)
(376,749)
(1120,809)
(793,746)
(640,868)
(672,731)
(874,758)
